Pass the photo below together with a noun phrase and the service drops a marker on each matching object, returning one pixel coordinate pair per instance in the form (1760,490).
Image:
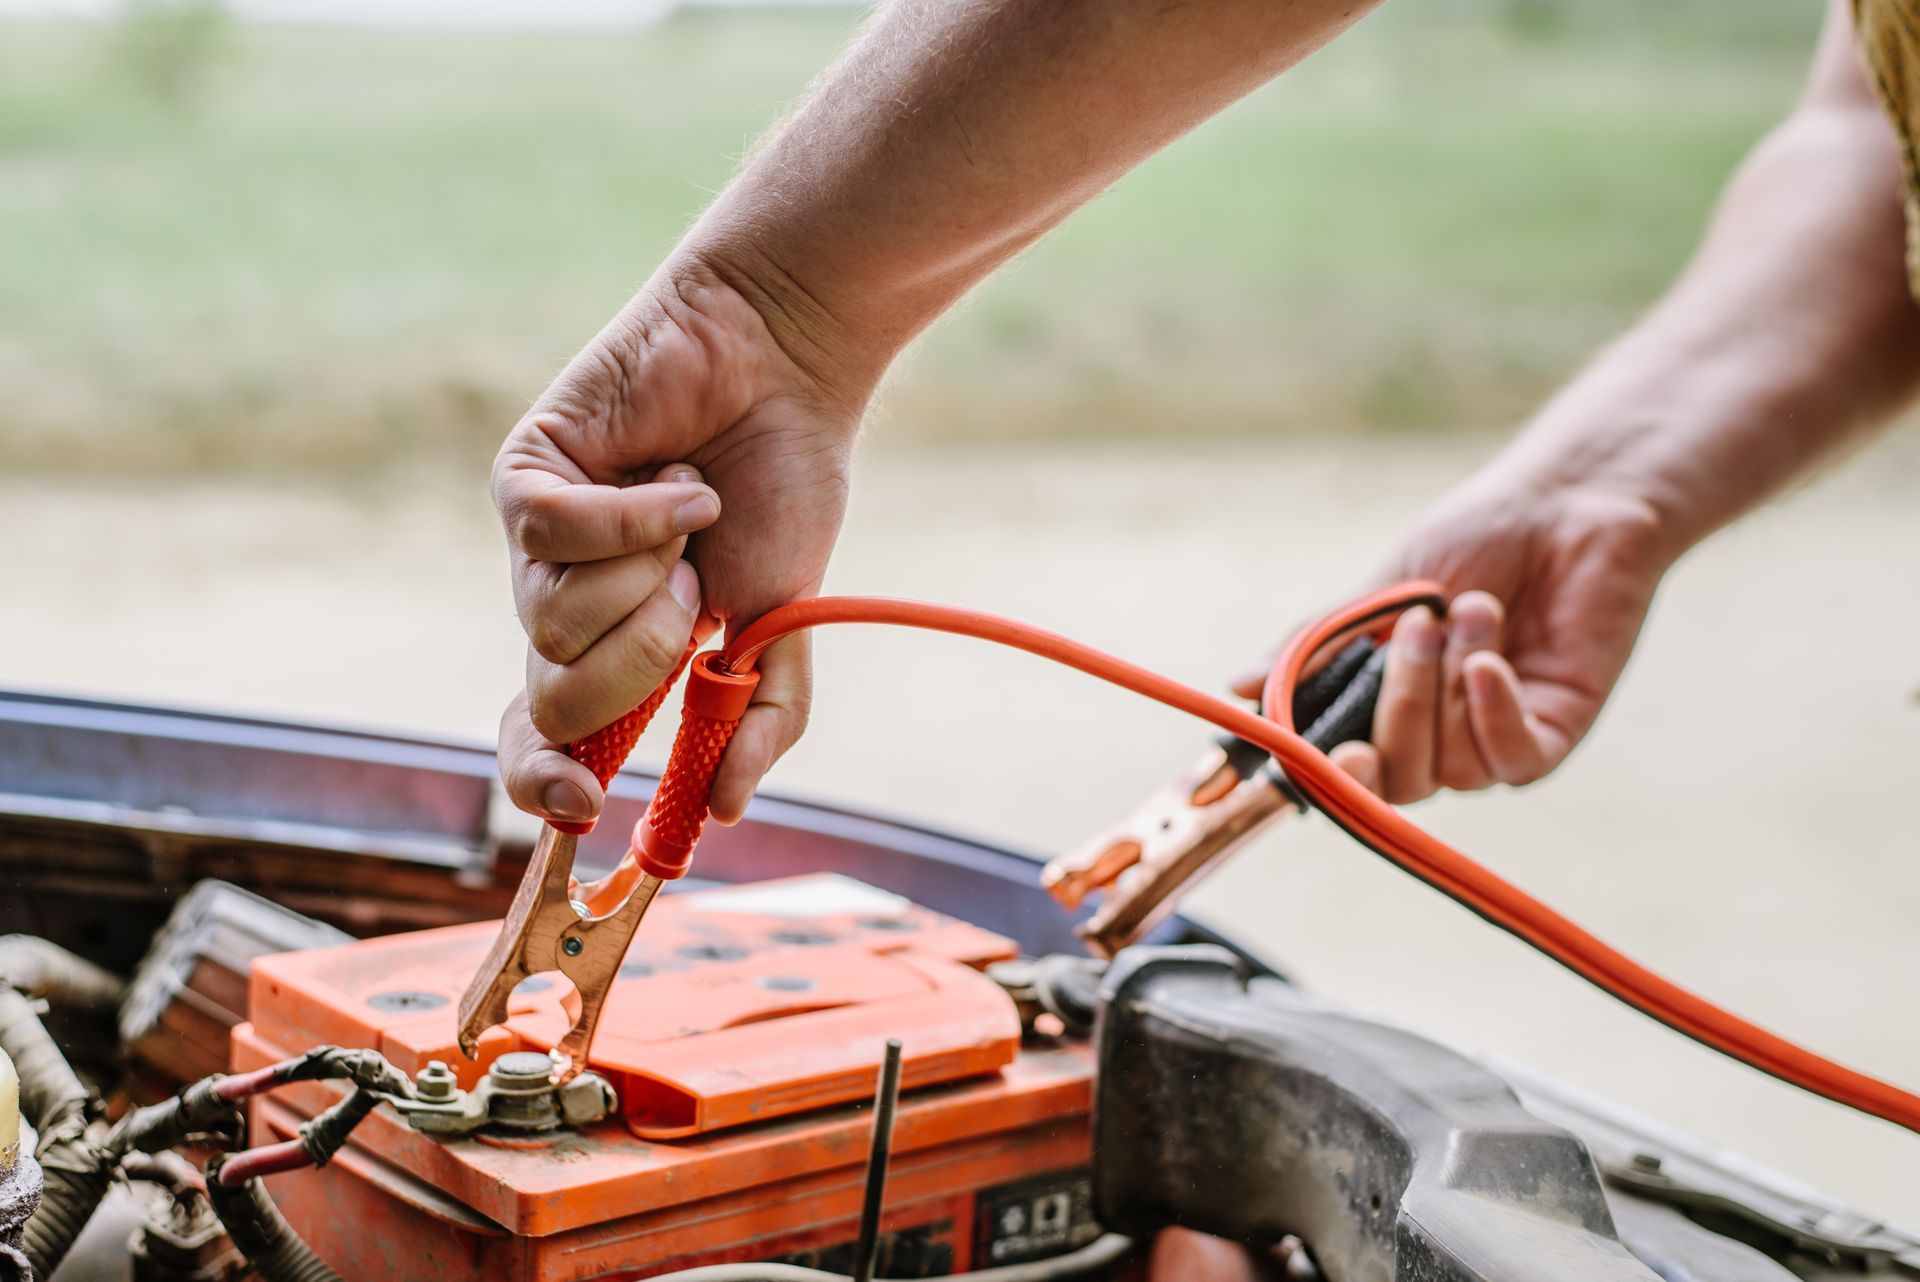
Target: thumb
(772,725)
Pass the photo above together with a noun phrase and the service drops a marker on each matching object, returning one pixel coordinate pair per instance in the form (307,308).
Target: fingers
(1362,761)
(551,518)
(618,671)
(1249,684)
(1516,746)
(1406,715)
(540,778)
(1475,624)
(1452,711)
(566,608)
(772,725)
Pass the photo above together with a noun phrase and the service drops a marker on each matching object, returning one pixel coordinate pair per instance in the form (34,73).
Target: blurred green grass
(322,247)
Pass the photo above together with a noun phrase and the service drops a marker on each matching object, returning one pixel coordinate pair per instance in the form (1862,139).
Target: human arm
(1789,336)
(951,135)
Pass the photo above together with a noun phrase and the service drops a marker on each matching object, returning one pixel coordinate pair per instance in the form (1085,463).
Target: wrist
(837,362)
(1627,505)
(1622,455)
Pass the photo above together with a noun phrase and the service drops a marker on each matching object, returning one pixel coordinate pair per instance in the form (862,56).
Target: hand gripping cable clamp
(583,930)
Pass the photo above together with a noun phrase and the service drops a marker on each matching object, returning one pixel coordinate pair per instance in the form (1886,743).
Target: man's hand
(1790,335)
(612,490)
(1549,588)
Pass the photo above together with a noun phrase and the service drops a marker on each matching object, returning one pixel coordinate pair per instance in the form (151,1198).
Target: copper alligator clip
(1218,804)
(583,930)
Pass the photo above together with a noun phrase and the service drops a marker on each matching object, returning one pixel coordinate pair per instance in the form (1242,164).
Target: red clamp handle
(606,749)
(717,698)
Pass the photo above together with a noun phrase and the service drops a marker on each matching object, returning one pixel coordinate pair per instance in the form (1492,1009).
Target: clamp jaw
(1217,805)
(1171,839)
(583,930)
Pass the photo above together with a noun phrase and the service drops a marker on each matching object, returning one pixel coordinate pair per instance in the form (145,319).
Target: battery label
(1033,1219)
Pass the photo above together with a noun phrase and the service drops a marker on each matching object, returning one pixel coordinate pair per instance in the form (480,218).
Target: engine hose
(63,980)
(262,1234)
(1091,1260)
(1371,821)
(55,1100)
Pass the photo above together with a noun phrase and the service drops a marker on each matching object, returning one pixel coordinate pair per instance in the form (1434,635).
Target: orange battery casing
(743,1039)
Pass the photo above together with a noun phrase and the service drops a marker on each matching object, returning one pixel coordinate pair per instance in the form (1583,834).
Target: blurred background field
(293,246)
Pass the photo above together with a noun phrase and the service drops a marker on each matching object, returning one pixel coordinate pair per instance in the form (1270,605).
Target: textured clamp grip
(606,749)
(1345,718)
(1318,693)
(664,839)
(1349,715)
(1311,701)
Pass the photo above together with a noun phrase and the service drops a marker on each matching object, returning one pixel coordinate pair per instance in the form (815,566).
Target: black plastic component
(1068,988)
(1390,1156)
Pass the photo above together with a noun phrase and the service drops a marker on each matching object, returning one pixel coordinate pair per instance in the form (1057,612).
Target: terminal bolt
(517,1094)
(436,1082)
(587,1099)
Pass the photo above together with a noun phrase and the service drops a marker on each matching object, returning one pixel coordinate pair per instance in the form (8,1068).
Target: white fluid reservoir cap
(9,1113)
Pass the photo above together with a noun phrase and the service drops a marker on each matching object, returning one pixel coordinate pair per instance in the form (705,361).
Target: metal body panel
(193,794)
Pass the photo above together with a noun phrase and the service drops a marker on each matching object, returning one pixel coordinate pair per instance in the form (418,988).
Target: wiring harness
(721,679)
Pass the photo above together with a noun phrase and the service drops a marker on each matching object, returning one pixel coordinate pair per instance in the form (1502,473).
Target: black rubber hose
(55,1101)
(66,982)
(155,1128)
(262,1234)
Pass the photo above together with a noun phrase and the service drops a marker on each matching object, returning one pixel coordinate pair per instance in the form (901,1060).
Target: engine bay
(218,918)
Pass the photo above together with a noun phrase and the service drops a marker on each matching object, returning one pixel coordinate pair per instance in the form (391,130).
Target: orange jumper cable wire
(681,807)
(721,683)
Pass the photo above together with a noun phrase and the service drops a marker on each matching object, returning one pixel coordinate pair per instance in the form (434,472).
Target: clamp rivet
(572,946)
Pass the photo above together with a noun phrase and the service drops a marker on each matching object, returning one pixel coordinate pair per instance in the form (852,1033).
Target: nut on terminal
(518,1094)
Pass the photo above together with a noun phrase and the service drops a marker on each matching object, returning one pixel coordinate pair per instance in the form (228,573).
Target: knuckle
(1525,775)
(794,723)
(520,779)
(1398,790)
(534,529)
(553,638)
(639,528)
(550,720)
(548,711)
(656,650)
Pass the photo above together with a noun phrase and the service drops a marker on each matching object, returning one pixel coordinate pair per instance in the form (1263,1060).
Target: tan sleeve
(1889,34)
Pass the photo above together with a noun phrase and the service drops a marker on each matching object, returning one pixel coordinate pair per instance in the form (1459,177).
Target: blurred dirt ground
(1742,817)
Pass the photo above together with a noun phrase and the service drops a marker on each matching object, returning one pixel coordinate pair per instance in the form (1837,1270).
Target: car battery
(743,1040)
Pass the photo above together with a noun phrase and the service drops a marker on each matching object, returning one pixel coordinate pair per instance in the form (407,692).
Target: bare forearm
(956,132)
(1791,334)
